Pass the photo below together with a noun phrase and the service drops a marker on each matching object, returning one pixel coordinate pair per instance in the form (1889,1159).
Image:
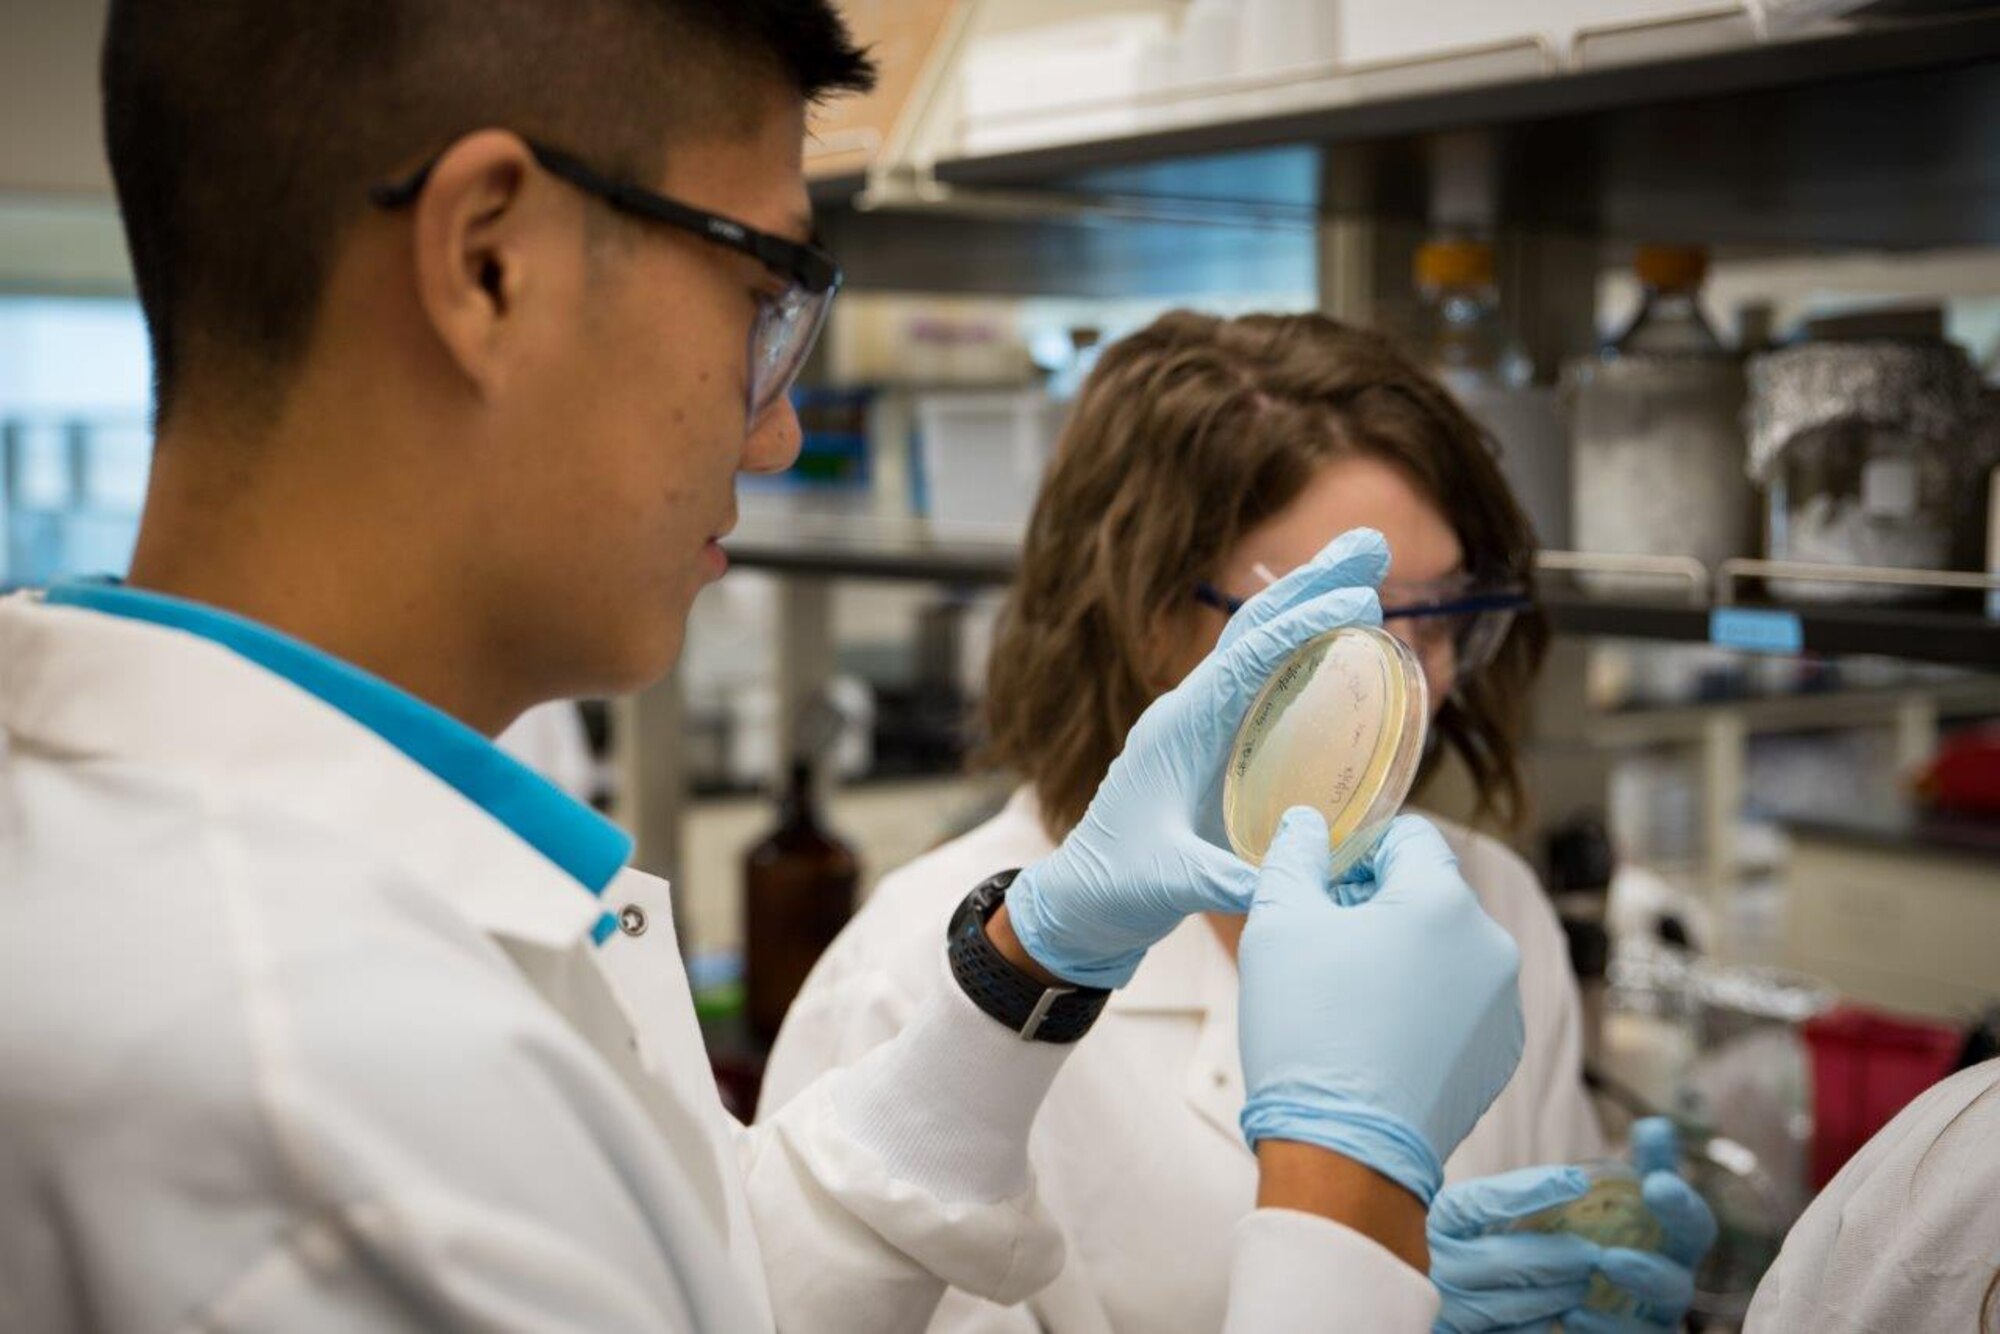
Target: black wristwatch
(1036,1012)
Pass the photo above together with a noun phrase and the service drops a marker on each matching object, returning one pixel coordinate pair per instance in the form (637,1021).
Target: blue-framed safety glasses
(1465,615)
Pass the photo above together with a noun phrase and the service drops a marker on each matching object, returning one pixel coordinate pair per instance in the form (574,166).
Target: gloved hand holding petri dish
(1613,1212)
(1340,727)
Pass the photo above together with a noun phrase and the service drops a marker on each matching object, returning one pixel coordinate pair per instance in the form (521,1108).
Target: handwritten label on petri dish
(1315,737)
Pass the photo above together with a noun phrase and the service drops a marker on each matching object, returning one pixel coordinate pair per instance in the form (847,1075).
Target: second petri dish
(1613,1212)
(1340,726)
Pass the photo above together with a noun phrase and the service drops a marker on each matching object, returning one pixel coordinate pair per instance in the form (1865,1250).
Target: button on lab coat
(295,1037)
(1138,1146)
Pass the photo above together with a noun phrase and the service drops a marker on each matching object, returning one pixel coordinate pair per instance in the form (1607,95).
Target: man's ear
(478,222)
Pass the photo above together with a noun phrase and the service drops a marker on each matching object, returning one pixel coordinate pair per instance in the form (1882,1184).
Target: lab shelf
(1956,638)
(1886,135)
(825,191)
(1971,696)
(908,551)
(914,551)
(1906,831)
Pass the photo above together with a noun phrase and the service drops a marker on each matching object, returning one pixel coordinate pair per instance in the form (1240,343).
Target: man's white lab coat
(295,1037)
(1138,1147)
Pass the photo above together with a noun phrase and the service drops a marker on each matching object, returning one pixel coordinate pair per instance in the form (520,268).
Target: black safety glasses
(788,322)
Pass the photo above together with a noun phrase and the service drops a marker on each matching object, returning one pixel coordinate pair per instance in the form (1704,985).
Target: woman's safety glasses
(1460,615)
(788,323)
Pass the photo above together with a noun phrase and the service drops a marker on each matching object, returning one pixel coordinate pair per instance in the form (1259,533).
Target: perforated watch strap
(1037,1013)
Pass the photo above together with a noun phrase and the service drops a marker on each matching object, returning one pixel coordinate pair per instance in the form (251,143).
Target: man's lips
(713,556)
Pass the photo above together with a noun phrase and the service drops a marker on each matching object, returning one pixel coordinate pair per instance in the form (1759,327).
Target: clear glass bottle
(1464,342)
(1670,322)
(1467,345)
(798,891)
(1657,432)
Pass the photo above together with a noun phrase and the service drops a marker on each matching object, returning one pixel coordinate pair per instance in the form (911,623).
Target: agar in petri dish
(1612,1212)
(1340,727)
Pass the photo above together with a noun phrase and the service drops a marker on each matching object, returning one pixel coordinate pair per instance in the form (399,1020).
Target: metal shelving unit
(1881,136)
(914,552)
(1885,137)
(1967,696)
(1958,638)
(909,551)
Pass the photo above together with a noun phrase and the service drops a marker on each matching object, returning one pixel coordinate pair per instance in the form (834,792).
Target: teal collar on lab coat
(585,845)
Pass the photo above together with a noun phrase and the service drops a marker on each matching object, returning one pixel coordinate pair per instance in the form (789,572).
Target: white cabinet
(1912,930)
(1373,31)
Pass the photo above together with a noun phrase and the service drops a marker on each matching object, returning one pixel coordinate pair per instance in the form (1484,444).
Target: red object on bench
(1866,1067)
(1965,775)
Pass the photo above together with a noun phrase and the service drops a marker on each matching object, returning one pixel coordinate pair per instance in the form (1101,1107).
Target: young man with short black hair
(319,1013)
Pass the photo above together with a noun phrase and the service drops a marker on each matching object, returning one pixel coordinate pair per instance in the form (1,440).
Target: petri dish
(1612,1212)
(1339,727)
(1751,1217)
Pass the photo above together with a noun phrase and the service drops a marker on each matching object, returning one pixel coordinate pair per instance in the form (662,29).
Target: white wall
(58,225)
(69,245)
(1007,15)
(49,127)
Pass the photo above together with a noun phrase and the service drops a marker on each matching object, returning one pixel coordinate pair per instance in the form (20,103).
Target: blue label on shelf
(1754,630)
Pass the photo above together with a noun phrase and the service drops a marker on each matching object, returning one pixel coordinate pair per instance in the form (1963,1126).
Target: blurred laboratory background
(1721,278)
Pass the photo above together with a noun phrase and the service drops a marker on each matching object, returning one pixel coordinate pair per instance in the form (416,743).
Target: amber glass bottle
(798,891)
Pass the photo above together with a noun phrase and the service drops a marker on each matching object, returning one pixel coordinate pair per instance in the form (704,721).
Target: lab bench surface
(1908,831)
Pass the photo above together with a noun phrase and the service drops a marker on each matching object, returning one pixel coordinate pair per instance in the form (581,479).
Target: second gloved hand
(1493,1280)
(1148,852)
(1381,1029)
(1496,1281)
(1490,1279)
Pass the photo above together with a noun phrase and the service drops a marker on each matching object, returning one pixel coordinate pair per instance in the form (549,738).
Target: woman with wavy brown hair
(1203,458)
(1203,449)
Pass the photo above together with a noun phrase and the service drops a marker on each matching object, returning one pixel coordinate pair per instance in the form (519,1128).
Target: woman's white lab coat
(1137,1147)
(1907,1235)
(294,1036)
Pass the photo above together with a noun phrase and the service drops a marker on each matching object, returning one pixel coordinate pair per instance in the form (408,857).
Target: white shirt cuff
(925,1140)
(1298,1271)
(949,1103)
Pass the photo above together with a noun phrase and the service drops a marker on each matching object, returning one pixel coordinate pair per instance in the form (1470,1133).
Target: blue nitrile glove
(1380,1017)
(1491,1279)
(1663,1283)
(1150,849)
